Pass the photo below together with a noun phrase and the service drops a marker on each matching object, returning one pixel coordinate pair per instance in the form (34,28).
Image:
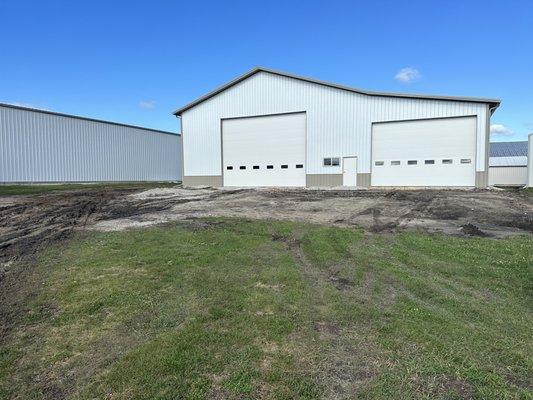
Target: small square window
(229,167)
(335,161)
(447,161)
(327,162)
(270,167)
(256,166)
(242,167)
(379,163)
(430,162)
(299,165)
(284,166)
(412,162)
(466,160)
(395,163)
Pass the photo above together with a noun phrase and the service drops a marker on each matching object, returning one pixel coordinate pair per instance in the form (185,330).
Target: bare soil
(27,223)
(459,212)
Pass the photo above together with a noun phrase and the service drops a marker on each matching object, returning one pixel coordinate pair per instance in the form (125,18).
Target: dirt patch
(327,329)
(289,241)
(341,283)
(447,385)
(472,230)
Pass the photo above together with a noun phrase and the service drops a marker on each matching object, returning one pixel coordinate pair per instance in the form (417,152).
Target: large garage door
(264,151)
(433,152)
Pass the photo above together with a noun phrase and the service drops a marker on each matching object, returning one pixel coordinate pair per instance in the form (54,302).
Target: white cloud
(408,75)
(147,105)
(500,130)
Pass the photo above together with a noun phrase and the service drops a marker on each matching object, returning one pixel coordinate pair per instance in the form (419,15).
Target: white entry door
(264,150)
(349,171)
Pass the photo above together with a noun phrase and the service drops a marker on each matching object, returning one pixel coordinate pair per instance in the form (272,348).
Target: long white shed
(43,146)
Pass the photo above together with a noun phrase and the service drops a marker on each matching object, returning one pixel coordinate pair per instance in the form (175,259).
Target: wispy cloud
(407,75)
(500,130)
(147,105)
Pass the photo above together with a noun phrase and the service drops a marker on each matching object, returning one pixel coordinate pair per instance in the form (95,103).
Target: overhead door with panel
(264,150)
(432,152)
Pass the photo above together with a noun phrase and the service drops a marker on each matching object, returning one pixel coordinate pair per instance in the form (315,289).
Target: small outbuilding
(269,128)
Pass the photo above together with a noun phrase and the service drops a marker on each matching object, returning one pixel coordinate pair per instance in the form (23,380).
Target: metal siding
(530,161)
(338,122)
(507,176)
(39,147)
(518,161)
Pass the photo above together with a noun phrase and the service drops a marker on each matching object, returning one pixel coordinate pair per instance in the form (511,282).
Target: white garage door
(433,152)
(264,151)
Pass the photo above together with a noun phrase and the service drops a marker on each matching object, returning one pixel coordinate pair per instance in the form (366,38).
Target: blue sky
(137,61)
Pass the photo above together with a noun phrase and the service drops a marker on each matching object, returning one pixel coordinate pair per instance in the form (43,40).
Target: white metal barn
(508,163)
(44,146)
(268,128)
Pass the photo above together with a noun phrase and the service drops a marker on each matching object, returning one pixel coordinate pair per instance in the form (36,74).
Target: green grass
(240,309)
(11,190)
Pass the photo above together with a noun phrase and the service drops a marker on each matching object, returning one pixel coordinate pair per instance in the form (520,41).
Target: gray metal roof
(494,103)
(508,149)
(84,118)
(508,154)
(520,161)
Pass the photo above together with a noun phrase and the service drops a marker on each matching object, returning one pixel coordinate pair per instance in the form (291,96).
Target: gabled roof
(494,103)
(508,149)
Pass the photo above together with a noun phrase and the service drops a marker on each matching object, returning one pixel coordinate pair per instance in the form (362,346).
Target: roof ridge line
(253,71)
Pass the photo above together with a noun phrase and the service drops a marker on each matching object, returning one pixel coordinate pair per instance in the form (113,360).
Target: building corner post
(529,183)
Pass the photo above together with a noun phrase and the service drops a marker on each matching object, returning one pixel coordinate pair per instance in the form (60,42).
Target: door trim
(356,168)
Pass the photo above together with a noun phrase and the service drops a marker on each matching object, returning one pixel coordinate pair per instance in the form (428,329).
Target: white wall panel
(508,176)
(338,121)
(42,147)
(518,161)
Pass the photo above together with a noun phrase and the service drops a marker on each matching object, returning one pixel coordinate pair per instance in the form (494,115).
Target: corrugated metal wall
(41,147)
(338,122)
(511,176)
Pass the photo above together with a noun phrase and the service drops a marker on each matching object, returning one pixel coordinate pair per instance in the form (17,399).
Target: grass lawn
(11,190)
(228,308)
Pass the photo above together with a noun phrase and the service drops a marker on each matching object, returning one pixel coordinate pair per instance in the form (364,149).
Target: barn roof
(508,154)
(494,103)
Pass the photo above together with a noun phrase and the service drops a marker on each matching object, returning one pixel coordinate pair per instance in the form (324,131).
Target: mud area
(27,223)
(487,213)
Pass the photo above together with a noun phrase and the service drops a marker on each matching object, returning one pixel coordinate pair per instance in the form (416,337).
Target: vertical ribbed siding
(39,147)
(508,176)
(339,122)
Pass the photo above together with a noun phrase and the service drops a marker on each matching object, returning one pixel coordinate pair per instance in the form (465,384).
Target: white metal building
(268,128)
(508,163)
(44,146)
